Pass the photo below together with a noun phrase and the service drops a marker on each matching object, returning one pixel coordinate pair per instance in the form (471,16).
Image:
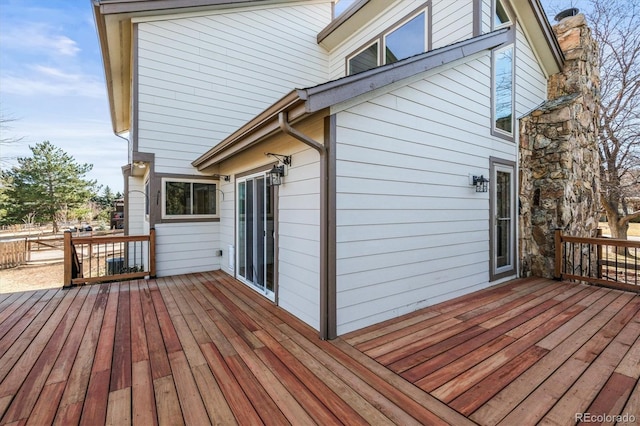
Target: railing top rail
(109,239)
(602,241)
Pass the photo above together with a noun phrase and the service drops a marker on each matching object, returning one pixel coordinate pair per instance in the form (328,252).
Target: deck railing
(605,261)
(111,258)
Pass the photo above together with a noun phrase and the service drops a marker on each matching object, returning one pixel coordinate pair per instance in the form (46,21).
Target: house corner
(559,160)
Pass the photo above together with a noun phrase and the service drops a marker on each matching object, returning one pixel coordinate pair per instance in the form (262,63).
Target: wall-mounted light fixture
(276,174)
(481,183)
(226,178)
(285,159)
(140,164)
(278,171)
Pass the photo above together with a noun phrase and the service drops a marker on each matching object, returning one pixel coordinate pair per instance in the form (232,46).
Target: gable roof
(115,36)
(529,13)
(302,103)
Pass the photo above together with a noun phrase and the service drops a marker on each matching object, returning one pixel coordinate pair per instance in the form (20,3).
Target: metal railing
(112,258)
(605,261)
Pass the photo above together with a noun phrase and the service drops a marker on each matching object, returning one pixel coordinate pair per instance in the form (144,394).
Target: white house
(381,116)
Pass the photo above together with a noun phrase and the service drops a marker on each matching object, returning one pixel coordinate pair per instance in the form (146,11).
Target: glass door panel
(503,220)
(255,234)
(242,226)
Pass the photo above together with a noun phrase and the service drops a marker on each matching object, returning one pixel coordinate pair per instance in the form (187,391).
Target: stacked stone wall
(559,160)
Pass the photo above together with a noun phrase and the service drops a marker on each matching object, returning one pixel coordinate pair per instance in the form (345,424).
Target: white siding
(136,200)
(202,77)
(452,22)
(299,246)
(299,220)
(531,84)
(199,79)
(186,247)
(487,16)
(411,231)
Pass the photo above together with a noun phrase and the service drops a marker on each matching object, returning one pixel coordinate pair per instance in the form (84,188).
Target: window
(189,199)
(500,17)
(364,60)
(408,40)
(401,42)
(503,90)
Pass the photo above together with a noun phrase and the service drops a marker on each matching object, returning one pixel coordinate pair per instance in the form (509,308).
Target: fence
(13,253)
(604,261)
(113,258)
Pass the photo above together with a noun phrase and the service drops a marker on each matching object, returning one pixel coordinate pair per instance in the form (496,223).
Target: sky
(52,83)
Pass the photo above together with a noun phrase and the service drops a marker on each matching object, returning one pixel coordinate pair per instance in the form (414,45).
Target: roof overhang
(114,27)
(261,127)
(301,104)
(539,34)
(114,36)
(351,20)
(334,92)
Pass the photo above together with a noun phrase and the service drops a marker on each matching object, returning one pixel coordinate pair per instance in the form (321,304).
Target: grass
(634,229)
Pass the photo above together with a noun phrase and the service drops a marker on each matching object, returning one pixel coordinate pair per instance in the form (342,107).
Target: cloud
(39,38)
(45,80)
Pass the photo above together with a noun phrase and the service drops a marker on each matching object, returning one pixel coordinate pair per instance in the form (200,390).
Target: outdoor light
(285,159)
(481,183)
(276,174)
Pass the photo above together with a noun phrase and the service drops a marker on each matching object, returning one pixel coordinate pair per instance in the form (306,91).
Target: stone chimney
(559,160)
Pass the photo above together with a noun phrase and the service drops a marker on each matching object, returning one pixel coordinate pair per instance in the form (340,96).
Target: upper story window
(189,199)
(500,15)
(503,91)
(400,42)
(407,40)
(364,60)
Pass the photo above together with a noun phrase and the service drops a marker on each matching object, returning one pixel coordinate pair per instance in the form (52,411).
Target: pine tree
(45,183)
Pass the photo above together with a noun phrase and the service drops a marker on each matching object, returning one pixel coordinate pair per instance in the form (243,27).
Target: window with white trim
(189,199)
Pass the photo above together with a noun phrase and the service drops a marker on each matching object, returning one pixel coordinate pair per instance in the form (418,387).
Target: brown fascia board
(102,40)
(333,25)
(260,127)
(108,7)
(301,103)
(336,91)
(550,36)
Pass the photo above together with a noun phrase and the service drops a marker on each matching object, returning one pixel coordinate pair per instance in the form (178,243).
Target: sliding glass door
(255,254)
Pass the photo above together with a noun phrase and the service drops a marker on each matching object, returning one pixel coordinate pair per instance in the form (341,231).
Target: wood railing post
(152,252)
(67,259)
(558,249)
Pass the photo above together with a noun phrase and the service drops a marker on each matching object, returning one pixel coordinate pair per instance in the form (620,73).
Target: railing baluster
(611,268)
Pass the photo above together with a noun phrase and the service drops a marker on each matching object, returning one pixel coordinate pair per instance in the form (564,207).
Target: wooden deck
(203,348)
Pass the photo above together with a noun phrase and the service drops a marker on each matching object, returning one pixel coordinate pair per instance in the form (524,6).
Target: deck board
(204,348)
